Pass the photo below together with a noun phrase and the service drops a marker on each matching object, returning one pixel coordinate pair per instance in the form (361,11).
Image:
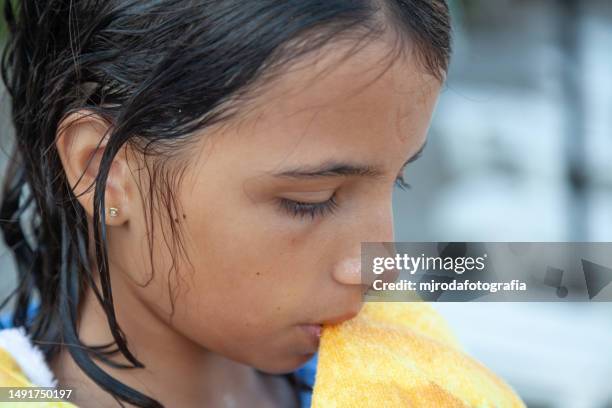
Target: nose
(376,226)
(348,272)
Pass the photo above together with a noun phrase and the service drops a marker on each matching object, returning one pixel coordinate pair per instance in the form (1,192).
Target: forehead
(343,74)
(348,102)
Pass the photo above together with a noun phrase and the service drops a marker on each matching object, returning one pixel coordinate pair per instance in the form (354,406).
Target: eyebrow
(335,169)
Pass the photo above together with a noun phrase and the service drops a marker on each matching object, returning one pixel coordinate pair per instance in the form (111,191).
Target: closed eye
(300,209)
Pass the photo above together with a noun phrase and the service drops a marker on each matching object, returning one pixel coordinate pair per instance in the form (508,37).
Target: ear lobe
(80,141)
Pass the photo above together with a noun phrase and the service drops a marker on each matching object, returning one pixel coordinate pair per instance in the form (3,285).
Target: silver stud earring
(113,212)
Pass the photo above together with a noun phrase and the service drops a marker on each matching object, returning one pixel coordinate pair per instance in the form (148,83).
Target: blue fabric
(307,374)
(6,319)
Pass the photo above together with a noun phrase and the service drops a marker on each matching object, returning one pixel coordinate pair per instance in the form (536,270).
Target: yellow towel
(401,355)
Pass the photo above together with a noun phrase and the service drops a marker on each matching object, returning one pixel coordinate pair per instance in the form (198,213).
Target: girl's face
(274,205)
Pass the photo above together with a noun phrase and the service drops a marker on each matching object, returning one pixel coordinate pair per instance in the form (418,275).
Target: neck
(177,371)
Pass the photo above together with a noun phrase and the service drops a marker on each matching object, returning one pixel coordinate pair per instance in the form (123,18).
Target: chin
(284,366)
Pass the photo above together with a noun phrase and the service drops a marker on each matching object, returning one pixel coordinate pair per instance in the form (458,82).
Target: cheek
(244,271)
(241,311)
(245,288)
(250,253)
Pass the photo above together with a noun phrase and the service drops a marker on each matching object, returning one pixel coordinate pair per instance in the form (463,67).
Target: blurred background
(520,149)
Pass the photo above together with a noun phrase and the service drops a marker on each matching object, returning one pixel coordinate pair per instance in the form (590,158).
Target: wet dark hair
(156,71)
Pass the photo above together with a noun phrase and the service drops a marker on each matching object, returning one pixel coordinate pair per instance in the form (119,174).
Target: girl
(191,182)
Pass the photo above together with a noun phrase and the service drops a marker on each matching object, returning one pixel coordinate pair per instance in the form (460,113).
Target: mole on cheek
(293,241)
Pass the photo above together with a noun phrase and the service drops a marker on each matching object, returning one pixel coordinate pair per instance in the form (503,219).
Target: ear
(80,141)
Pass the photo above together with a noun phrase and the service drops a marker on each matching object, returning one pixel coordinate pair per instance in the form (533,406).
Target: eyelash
(301,210)
(401,183)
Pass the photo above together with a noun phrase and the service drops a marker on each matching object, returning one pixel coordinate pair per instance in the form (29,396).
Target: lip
(313,332)
(340,318)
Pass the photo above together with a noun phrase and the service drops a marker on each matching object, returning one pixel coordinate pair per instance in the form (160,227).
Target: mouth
(313,333)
